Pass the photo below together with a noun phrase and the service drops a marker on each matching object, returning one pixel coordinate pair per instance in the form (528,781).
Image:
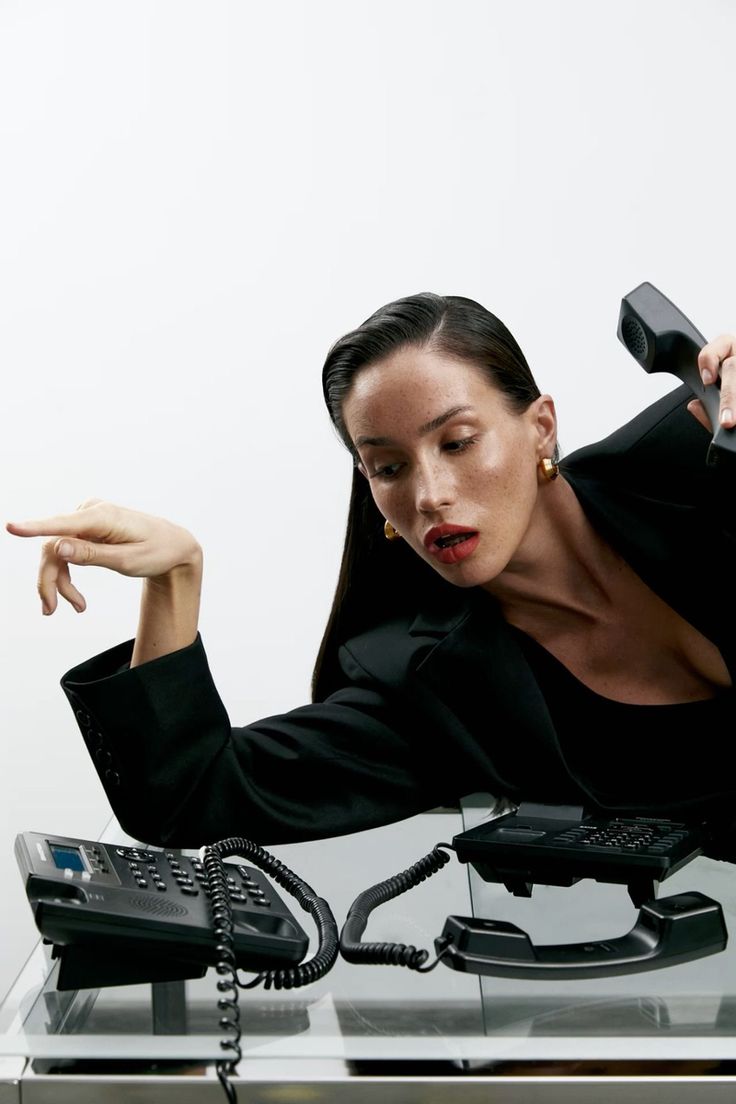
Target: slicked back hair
(378,579)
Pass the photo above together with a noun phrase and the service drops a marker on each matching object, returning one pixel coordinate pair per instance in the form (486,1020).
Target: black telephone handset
(662,339)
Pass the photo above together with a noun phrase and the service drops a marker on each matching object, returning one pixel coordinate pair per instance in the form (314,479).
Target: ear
(544,417)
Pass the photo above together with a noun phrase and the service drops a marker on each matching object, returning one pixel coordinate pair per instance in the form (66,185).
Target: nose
(432,490)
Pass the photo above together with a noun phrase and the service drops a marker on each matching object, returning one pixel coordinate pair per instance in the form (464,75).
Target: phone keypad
(167,872)
(624,835)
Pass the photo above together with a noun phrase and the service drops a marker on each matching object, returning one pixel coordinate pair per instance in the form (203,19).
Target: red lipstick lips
(451,543)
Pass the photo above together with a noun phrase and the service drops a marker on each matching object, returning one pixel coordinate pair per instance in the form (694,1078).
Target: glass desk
(370,1033)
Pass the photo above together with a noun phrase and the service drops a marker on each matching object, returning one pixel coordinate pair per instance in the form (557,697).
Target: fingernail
(707,376)
(79,609)
(726,416)
(65,549)
(45,609)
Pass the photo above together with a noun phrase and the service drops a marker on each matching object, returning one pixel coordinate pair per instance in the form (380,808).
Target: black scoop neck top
(649,755)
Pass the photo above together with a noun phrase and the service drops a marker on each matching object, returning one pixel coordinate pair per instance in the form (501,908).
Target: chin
(468,575)
(477,574)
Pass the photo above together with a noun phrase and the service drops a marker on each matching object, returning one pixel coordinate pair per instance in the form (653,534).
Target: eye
(388,471)
(461,445)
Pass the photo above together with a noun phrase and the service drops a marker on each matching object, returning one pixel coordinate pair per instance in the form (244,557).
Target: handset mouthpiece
(662,339)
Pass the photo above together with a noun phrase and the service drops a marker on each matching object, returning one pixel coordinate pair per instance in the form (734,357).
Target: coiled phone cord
(390,954)
(222,920)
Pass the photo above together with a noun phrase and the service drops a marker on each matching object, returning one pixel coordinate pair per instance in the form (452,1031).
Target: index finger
(65,525)
(711,355)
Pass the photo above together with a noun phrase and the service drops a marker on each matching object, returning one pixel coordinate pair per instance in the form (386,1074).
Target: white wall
(196,199)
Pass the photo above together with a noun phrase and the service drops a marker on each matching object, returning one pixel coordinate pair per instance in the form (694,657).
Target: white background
(197,199)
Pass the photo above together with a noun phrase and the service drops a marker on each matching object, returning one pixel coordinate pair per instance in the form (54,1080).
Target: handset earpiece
(661,339)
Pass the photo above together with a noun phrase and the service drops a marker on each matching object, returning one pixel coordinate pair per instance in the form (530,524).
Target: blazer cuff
(150,730)
(116,661)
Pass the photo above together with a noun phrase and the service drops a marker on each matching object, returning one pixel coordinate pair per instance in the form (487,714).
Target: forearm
(169,611)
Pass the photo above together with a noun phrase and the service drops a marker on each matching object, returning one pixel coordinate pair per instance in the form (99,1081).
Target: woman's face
(449,464)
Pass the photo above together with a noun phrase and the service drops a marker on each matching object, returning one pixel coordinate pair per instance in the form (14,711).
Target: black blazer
(434,705)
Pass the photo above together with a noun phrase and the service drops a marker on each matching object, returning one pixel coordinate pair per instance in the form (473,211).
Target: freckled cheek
(388,502)
(397,506)
(400,506)
(502,497)
(487,485)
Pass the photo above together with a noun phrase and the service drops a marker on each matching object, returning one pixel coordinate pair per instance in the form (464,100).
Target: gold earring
(548,468)
(389,532)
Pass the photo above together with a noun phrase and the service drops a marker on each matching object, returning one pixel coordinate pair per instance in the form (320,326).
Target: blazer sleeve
(176,773)
(661,453)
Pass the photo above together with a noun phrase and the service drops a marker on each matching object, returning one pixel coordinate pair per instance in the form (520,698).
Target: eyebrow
(423,430)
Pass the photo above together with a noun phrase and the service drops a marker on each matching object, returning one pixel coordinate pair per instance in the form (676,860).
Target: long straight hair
(379,579)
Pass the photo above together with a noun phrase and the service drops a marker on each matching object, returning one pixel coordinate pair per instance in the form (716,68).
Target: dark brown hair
(379,579)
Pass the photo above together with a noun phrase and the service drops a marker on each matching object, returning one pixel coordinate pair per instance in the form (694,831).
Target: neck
(563,572)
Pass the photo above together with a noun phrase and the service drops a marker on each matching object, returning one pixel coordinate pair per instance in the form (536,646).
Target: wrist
(169,611)
(185,573)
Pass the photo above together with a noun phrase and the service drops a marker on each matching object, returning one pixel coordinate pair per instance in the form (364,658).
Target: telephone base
(561,844)
(87,968)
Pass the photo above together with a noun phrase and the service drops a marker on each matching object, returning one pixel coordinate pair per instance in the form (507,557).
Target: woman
(531,629)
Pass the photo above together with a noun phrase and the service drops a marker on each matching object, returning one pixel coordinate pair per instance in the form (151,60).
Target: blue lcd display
(66,858)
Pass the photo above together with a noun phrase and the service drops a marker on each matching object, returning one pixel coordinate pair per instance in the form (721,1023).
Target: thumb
(84,552)
(698,412)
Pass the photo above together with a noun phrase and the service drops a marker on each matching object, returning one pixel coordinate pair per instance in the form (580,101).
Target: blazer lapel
(478,670)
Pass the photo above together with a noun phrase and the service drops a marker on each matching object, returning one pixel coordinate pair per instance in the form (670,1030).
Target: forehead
(412,386)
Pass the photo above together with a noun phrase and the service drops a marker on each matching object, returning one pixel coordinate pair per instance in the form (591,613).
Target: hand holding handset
(661,339)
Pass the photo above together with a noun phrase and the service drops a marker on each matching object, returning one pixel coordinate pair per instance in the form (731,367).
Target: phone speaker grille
(635,338)
(158,907)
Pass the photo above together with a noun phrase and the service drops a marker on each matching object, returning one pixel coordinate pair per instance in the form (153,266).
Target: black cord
(390,954)
(294,976)
(222,925)
(350,946)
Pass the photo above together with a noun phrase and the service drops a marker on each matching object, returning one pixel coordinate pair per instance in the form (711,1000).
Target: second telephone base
(560,845)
